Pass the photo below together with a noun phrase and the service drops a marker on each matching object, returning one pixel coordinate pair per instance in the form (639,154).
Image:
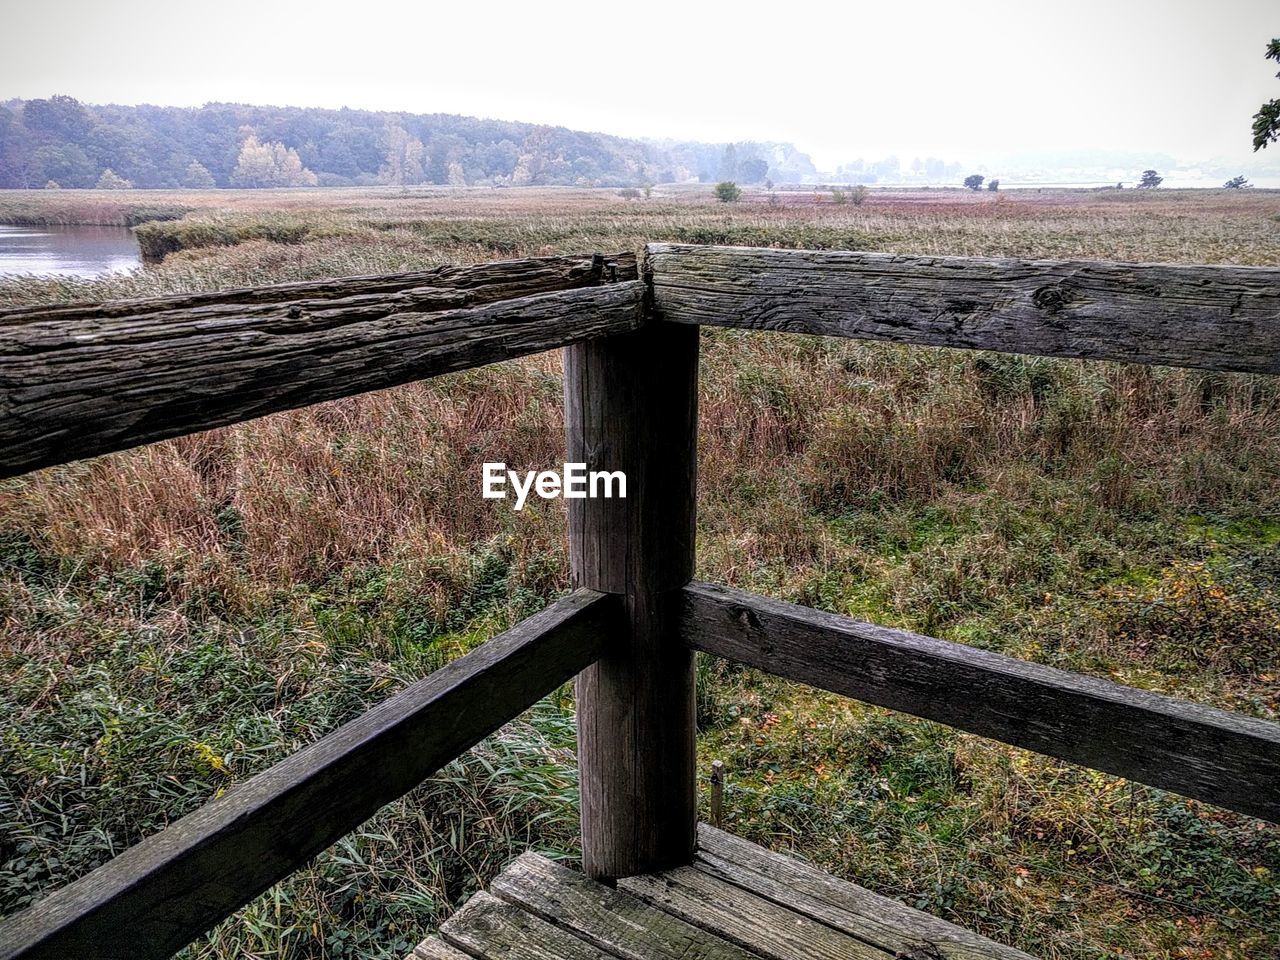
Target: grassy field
(178,617)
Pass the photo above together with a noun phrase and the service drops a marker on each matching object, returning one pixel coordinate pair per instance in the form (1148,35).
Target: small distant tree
(727,191)
(768,184)
(1266,122)
(52,185)
(839,196)
(1150,180)
(629,193)
(859,195)
(648,190)
(198,177)
(974,181)
(110,180)
(993,185)
(270,165)
(1236,183)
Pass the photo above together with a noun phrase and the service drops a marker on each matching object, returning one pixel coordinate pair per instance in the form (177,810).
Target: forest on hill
(61,142)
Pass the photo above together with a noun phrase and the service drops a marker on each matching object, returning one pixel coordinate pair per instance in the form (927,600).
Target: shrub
(629,193)
(727,191)
(1194,613)
(974,181)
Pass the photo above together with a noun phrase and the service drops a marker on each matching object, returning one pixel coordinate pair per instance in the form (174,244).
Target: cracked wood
(74,386)
(1210,317)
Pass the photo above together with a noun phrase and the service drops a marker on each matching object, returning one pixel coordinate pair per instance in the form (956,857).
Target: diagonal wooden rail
(158,896)
(79,381)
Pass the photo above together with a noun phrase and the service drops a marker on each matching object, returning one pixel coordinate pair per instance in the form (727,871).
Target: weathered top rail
(496,280)
(1211,317)
(81,380)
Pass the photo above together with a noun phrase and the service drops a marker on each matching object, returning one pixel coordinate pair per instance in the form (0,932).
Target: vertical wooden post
(631,405)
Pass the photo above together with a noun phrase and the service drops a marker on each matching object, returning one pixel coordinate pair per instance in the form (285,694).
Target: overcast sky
(841,80)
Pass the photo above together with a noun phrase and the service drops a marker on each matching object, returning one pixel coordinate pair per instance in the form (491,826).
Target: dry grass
(1115,520)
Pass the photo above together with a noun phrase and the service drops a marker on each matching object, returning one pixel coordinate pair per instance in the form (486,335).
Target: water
(73,251)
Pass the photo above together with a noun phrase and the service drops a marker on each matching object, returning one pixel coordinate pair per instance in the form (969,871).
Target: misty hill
(60,141)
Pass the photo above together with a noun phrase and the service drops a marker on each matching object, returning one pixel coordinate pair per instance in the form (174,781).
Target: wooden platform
(737,901)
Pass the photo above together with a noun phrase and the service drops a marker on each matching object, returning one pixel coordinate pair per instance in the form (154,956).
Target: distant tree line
(61,142)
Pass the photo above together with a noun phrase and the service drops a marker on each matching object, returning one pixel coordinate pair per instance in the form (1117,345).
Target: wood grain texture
(488,929)
(1212,317)
(483,283)
(74,388)
(886,923)
(434,948)
(631,405)
(735,902)
(159,895)
(1222,758)
(754,923)
(607,918)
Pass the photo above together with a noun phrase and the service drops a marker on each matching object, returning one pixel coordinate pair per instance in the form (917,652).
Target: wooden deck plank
(489,929)
(752,922)
(737,901)
(433,948)
(790,882)
(609,919)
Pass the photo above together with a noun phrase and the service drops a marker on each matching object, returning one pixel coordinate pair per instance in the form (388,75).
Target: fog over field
(860,93)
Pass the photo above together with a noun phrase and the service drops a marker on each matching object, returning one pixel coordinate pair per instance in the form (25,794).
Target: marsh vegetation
(178,617)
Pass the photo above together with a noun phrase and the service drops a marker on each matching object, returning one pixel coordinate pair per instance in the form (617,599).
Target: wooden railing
(83,380)
(1223,758)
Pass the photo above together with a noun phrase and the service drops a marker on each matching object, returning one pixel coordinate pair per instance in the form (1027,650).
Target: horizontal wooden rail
(1213,317)
(159,895)
(76,383)
(1222,758)
(485,282)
